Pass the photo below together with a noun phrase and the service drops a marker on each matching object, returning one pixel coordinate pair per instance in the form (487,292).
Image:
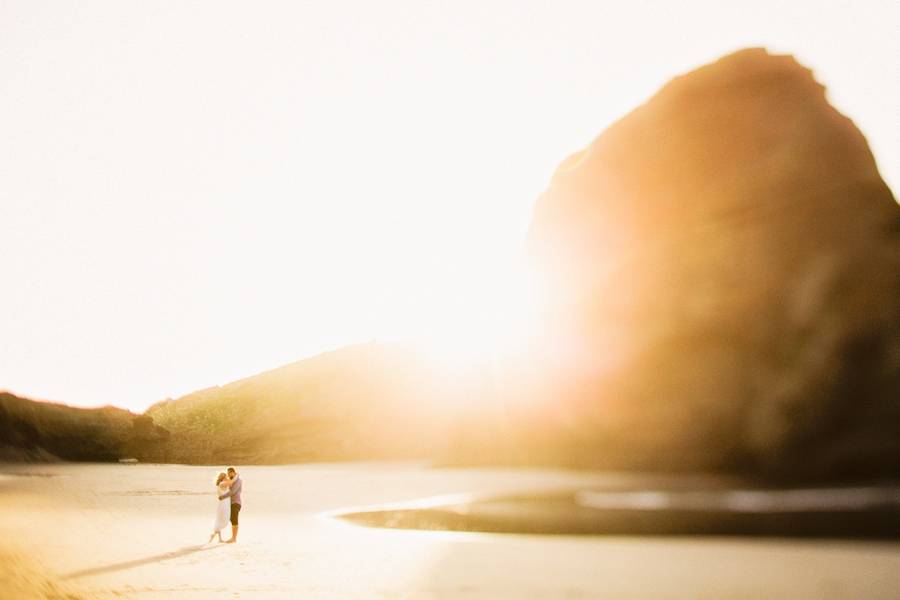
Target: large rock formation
(722,277)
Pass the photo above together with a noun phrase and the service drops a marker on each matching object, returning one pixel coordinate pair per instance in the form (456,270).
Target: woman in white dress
(223,510)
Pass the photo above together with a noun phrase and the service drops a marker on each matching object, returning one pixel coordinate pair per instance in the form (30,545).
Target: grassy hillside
(370,401)
(364,402)
(41,431)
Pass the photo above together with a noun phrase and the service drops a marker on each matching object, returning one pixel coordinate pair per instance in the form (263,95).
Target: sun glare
(330,177)
(485,324)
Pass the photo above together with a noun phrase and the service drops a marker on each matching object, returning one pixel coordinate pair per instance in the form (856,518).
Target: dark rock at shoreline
(721,271)
(33,431)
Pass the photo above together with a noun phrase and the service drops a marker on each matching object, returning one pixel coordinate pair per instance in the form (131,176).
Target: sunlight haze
(191,193)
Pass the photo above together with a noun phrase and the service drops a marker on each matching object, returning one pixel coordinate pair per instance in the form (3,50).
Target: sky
(193,192)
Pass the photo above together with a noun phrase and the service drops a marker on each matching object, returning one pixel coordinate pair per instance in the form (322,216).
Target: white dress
(223,510)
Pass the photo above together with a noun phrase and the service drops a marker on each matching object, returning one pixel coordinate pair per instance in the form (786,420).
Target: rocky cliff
(721,277)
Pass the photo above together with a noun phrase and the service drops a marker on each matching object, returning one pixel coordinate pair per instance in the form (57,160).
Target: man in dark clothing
(234,492)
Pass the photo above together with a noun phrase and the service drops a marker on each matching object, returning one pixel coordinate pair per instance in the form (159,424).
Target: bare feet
(231,541)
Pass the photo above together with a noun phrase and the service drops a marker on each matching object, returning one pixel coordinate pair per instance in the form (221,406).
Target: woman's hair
(220,478)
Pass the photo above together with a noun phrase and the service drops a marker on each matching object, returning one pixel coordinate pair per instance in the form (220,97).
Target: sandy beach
(138,531)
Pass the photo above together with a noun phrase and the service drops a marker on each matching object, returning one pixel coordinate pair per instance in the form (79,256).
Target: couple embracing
(228,487)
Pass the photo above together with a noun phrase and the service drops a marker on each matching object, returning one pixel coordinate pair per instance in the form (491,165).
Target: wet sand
(668,508)
(113,531)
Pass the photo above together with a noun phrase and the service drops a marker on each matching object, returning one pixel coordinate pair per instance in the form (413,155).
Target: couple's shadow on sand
(130,564)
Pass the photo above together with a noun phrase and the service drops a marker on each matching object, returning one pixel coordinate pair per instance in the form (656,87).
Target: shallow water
(138,531)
